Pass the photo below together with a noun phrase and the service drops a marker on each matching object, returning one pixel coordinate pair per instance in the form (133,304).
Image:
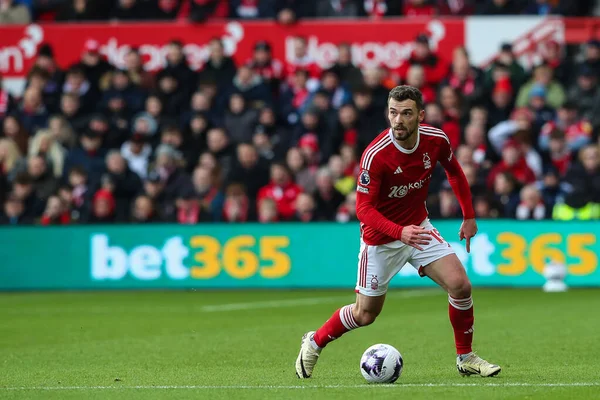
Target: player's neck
(410,142)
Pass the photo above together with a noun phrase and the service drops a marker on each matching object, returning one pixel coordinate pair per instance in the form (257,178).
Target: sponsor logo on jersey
(364,178)
(362,189)
(402,190)
(426,161)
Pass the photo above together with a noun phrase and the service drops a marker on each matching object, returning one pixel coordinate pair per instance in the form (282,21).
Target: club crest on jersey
(364,178)
(426,161)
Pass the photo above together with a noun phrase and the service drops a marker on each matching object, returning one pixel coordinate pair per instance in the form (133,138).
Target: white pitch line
(275,387)
(306,301)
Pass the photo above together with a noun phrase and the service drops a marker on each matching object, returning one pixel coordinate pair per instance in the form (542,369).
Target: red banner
(386,43)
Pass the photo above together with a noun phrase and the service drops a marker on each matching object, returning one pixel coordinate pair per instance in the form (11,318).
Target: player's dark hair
(405,92)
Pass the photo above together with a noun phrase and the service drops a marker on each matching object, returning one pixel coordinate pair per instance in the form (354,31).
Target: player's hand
(415,236)
(468,229)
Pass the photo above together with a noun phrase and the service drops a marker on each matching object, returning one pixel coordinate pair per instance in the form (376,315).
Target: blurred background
(195,117)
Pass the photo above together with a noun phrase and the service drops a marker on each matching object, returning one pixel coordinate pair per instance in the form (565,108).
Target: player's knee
(365,317)
(460,288)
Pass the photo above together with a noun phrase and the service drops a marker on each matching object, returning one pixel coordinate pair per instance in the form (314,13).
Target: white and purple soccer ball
(381,363)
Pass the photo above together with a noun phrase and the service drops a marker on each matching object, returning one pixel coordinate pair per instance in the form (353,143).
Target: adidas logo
(398,171)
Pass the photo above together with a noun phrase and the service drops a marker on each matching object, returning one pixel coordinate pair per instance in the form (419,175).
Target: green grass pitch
(243,344)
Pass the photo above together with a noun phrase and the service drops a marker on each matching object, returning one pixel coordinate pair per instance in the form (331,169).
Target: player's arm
(368,187)
(460,187)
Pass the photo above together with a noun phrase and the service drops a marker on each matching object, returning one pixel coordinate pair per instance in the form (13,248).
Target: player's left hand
(468,229)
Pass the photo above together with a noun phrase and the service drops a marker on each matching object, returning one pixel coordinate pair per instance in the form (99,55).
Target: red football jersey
(395,181)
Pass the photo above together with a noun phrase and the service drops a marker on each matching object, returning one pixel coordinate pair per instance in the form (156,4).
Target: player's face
(404,118)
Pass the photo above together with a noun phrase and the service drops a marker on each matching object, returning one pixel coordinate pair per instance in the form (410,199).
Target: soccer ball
(381,363)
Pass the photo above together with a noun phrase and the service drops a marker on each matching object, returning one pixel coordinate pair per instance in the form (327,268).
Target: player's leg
(449,273)
(376,266)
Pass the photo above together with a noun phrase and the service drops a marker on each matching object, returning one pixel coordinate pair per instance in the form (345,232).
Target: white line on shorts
(308,301)
(398,386)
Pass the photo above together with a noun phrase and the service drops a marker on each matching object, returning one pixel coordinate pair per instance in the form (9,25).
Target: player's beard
(405,134)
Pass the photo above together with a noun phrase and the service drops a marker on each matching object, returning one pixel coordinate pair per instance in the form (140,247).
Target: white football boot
(305,363)
(472,364)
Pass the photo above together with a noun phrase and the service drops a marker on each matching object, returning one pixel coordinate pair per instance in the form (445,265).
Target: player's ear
(421,115)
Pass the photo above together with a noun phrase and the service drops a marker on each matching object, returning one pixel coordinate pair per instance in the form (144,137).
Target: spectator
(542,112)
(92,63)
(127,10)
(90,155)
(169,166)
(188,207)
(154,189)
(577,131)
(506,65)
(11,13)
(219,67)
(250,85)
(282,190)
(302,60)
(14,212)
(542,76)
(290,11)
(347,211)
(414,8)
(513,161)
(12,129)
(558,155)
(137,152)
(464,77)
(342,181)
(252,9)
(265,66)
(70,123)
(415,76)
(376,9)
(240,121)
(532,206)
(584,176)
(305,208)
(236,207)
(201,10)
(551,187)
(126,183)
(24,189)
(506,194)
(544,7)
(498,7)
(9,156)
(78,10)
(53,79)
(552,54)
(32,113)
(436,117)
(81,193)
(267,211)
(304,176)
(337,8)
(103,208)
(460,8)
(327,198)
(591,57)
(135,69)
(44,183)
(207,192)
(435,68)
(221,147)
(348,73)
(55,213)
(250,170)
(585,94)
(45,145)
(144,211)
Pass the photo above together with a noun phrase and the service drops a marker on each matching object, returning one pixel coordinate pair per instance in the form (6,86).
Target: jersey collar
(402,149)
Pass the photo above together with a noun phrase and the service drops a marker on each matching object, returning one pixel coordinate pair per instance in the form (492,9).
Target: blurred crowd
(285,11)
(279,140)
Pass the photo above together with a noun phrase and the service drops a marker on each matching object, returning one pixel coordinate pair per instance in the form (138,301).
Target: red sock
(341,321)
(461,318)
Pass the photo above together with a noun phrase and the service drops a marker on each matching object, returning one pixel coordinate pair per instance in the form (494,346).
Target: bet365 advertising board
(504,253)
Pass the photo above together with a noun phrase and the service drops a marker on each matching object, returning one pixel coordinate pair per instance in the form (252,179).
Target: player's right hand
(415,236)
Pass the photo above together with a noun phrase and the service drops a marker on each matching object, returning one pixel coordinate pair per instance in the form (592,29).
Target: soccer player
(393,182)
